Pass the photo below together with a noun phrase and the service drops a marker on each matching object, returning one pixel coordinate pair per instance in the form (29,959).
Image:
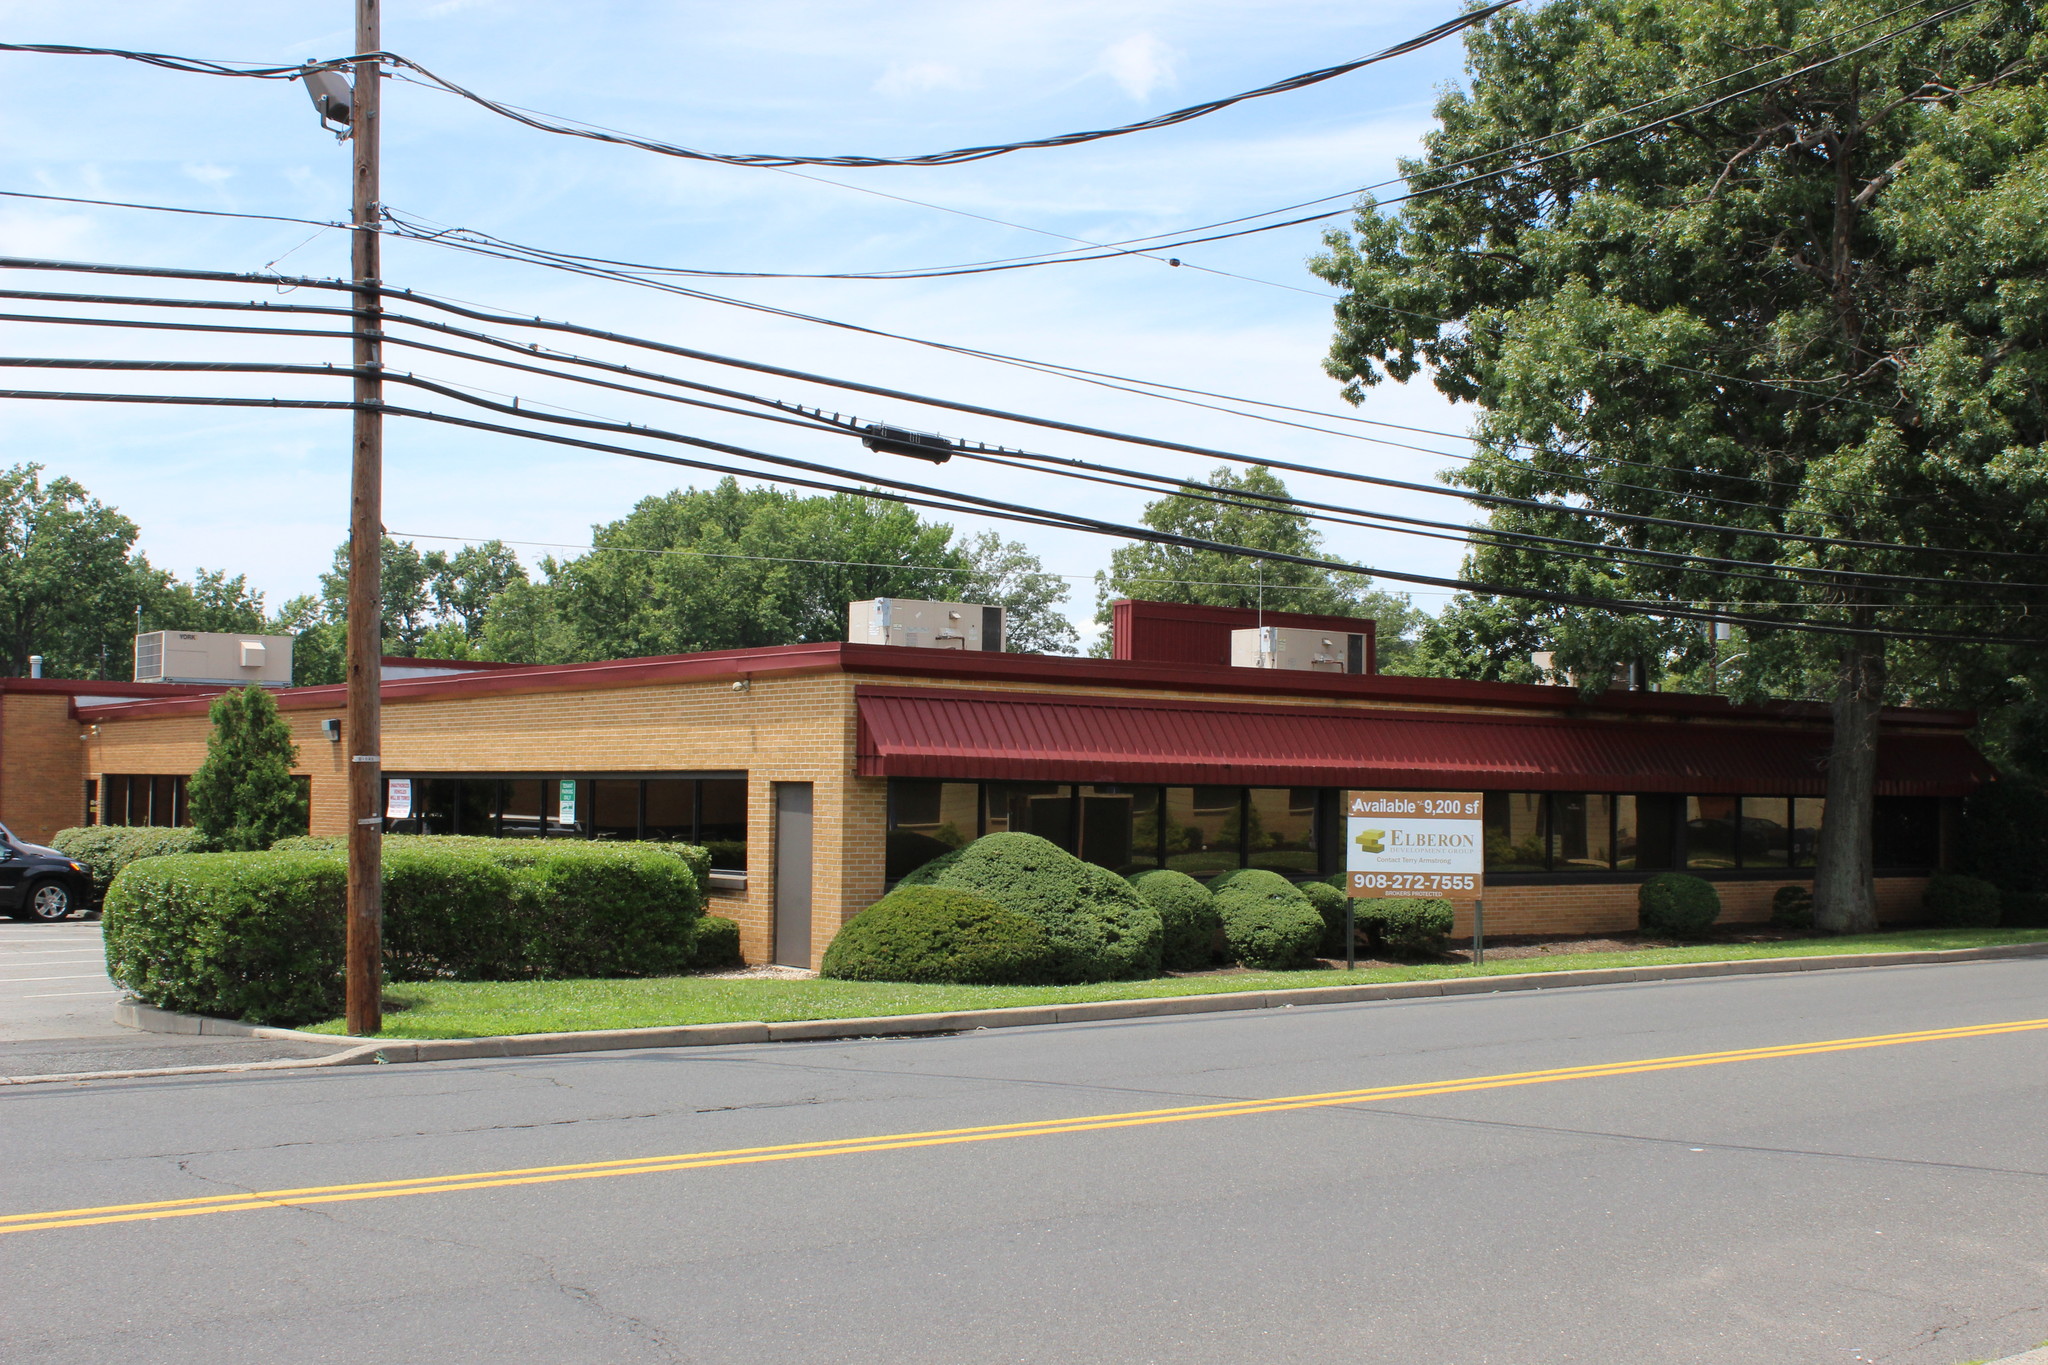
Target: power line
(1479,498)
(1067,467)
(1557,547)
(957,156)
(949,500)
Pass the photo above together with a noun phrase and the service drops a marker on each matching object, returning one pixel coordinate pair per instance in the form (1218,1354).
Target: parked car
(38,883)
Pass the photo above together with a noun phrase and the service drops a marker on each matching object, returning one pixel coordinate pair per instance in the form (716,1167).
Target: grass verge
(486,1009)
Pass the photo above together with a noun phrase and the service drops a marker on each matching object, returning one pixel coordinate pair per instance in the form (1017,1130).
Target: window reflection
(1710,831)
(1202,829)
(1517,832)
(1280,829)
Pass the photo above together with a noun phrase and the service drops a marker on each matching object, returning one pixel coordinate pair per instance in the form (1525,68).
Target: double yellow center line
(943,1137)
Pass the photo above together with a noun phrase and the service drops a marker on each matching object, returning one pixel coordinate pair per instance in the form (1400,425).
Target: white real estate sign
(1415,844)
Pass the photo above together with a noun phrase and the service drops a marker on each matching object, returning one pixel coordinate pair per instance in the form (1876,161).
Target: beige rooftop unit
(1312,651)
(924,625)
(190,656)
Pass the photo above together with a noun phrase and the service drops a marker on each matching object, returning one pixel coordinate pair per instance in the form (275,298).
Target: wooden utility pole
(365,558)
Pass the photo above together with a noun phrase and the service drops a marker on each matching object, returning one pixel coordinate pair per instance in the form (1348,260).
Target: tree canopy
(1173,573)
(1814,310)
(731,567)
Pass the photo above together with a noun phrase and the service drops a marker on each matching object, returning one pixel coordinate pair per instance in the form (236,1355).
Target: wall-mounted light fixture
(332,729)
(743,685)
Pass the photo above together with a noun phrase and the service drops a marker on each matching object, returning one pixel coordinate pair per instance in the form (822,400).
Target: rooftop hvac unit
(924,625)
(188,656)
(1311,651)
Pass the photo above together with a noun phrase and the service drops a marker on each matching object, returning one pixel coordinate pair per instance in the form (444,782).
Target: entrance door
(793,874)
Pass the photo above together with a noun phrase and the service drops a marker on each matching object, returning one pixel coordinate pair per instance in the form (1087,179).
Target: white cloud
(207,173)
(1140,64)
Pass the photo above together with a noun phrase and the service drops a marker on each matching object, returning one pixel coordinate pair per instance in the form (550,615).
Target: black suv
(40,883)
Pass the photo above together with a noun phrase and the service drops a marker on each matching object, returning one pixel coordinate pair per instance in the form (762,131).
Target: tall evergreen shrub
(244,796)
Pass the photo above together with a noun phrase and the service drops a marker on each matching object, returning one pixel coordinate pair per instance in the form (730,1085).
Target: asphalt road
(1884,1201)
(57,1012)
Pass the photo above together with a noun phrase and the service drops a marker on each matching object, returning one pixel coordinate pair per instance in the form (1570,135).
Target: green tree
(464,584)
(407,595)
(211,602)
(1006,574)
(731,568)
(69,580)
(1815,309)
(244,796)
(1171,573)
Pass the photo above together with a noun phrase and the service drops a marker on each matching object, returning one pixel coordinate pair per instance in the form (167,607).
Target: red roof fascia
(1049,670)
(934,733)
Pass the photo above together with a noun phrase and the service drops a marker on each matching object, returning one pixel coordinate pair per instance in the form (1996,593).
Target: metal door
(793,874)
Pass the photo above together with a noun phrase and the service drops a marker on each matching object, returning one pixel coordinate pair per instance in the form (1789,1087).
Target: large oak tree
(1815,308)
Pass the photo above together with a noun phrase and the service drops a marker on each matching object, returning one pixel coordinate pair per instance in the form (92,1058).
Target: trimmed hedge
(1187,914)
(256,936)
(1676,905)
(106,849)
(940,934)
(1100,929)
(1958,902)
(1792,910)
(259,936)
(1420,925)
(1267,920)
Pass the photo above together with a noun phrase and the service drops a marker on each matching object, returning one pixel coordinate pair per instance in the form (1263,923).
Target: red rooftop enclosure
(1180,633)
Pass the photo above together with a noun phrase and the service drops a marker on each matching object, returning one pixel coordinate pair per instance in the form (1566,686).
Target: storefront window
(1108,827)
(1517,832)
(1710,831)
(1906,831)
(1042,808)
(928,820)
(1280,830)
(1147,804)
(1580,836)
(615,809)
(566,803)
(519,817)
(1766,831)
(1646,832)
(722,821)
(1201,829)
(1806,817)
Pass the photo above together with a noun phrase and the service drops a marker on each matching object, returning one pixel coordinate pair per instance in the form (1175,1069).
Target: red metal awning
(932,732)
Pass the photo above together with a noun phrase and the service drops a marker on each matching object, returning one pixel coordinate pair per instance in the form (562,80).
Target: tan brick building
(817,773)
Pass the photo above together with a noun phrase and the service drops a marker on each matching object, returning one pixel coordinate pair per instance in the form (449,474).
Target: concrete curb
(2039,1357)
(364,1052)
(132,1013)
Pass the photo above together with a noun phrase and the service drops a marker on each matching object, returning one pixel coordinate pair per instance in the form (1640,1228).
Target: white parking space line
(61,995)
(24,980)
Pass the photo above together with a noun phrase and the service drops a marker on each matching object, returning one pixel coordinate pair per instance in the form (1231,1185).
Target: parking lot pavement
(57,1012)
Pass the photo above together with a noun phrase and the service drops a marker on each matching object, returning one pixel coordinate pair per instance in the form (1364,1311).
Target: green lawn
(482,1009)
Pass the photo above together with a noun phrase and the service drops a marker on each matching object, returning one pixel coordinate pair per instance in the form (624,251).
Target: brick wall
(1611,907)
(776,729)
(42,765)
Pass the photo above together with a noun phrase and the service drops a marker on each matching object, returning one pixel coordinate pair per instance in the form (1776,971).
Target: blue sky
(265,492)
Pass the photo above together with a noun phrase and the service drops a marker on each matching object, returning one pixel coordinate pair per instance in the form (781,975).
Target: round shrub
(1269,934)
(940,934)
(1958,902)
(1187,914)
(1259,881)
(1420,925)
(1100,929)
(1329,902)
(1675,905)
(1792,910)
